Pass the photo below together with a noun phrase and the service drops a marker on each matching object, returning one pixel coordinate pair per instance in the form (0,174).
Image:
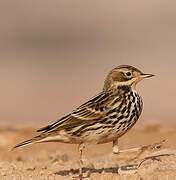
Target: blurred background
(54,55)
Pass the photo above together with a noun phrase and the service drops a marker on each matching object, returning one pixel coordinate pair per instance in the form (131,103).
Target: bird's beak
(142,76)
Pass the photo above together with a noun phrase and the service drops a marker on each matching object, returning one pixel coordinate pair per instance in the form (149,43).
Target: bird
(102,119)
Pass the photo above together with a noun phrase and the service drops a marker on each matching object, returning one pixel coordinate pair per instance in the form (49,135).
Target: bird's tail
(33,140)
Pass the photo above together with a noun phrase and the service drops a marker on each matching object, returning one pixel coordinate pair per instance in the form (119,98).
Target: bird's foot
(150,147)
(142,149)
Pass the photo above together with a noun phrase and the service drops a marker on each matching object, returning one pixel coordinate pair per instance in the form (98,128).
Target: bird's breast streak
(128,114)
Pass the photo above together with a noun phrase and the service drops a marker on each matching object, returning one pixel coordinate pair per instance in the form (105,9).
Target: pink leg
(138,149)
(80,149)
(117,151)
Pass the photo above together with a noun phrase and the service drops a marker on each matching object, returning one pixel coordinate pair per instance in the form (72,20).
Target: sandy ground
(56,161)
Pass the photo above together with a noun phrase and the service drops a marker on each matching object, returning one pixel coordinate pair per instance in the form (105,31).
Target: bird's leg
(115,146)
(117,151)
(80,149)
(138,149)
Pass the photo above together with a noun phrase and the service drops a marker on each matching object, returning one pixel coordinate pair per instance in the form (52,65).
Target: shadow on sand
(113,170)
(89,170)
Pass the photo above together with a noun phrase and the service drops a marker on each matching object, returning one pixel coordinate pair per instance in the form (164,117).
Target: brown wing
(92,110)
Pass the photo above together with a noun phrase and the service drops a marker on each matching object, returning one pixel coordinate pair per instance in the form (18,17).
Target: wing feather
(90,111)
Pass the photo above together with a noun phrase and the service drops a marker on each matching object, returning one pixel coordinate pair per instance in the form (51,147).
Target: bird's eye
(128,74)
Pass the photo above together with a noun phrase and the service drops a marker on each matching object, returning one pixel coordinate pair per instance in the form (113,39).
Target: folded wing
(92,110)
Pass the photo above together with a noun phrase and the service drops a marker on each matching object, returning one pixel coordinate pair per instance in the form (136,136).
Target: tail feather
(30,141)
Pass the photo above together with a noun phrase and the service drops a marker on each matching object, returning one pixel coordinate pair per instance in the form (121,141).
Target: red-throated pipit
(104,118)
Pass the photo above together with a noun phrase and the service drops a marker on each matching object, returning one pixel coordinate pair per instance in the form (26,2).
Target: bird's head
(124,75)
